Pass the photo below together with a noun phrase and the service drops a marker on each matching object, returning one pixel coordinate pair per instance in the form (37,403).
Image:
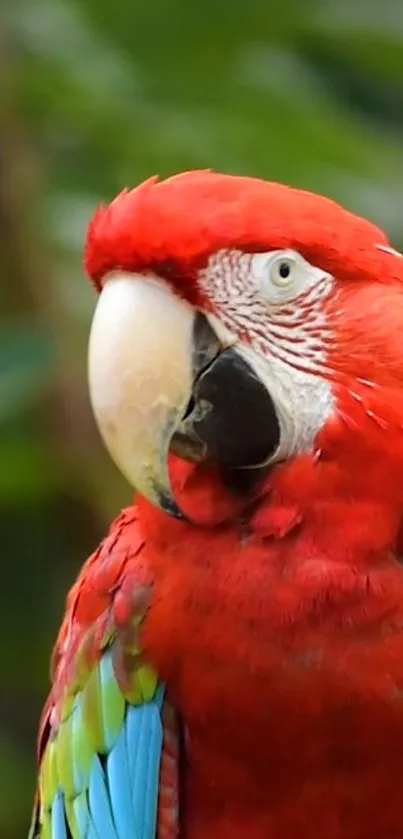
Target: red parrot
(230,664)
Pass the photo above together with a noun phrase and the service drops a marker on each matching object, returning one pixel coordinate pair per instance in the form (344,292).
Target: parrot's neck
(316,542)
(347,509)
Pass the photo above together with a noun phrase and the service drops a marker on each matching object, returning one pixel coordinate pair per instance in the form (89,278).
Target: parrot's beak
(161,379)
(140,378)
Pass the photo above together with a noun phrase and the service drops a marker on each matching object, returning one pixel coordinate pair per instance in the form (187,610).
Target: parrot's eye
(283,275)
(282,271)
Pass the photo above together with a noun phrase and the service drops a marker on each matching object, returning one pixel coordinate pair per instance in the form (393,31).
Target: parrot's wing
(109,742)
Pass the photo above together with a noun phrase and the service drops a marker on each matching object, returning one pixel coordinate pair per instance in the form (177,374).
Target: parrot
(230,662)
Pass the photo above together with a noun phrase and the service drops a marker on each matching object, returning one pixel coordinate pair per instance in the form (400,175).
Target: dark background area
(94,96)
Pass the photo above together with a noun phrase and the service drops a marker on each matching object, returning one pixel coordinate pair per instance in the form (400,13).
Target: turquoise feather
(119,783)
(100,771)
(58,821)
(100,803)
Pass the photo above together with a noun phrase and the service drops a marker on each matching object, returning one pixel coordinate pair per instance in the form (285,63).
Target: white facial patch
(273,303)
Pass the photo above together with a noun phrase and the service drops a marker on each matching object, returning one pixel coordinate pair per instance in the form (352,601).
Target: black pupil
(284,270)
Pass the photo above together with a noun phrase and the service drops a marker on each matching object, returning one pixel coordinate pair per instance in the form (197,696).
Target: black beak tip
(169,505)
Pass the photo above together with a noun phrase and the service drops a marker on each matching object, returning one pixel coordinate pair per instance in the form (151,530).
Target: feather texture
(102,732)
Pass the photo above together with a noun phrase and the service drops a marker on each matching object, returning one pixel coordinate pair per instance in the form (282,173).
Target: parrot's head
(246,325)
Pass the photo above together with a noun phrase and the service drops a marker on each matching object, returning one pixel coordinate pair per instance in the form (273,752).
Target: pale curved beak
(140,377)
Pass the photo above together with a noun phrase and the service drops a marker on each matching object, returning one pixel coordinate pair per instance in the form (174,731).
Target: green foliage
(95,96)
(26,355)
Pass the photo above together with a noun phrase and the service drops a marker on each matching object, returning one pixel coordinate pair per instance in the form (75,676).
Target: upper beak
(160,379)
(140,377)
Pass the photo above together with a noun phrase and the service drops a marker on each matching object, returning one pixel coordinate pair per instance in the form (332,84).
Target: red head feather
(173,226)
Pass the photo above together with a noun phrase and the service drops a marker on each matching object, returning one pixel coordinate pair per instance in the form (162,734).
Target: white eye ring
(282,271)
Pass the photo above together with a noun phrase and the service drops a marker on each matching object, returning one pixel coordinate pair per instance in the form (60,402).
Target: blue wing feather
(59,827)
(154,753)
(140,771)
(99,803)
(123,797)
(92,833)
(119,783)
(146,766)
(132,730)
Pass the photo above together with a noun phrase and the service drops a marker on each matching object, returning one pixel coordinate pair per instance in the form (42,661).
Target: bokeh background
(96,95)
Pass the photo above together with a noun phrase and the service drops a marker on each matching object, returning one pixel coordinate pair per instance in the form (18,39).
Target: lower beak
(160,379)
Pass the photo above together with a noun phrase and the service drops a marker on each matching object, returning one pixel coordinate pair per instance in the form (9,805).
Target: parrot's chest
(286,727)
(281,659)
(306,744)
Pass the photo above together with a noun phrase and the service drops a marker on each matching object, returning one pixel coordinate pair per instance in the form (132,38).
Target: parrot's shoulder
(108,742)
(104,608)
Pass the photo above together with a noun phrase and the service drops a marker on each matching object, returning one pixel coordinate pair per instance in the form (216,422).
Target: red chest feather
(287,668)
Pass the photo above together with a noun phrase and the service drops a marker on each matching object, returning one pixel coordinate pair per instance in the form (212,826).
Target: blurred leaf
(27,471)
(26,362)
(15,770)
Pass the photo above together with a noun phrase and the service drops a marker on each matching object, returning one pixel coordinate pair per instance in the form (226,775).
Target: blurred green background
(96,95)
